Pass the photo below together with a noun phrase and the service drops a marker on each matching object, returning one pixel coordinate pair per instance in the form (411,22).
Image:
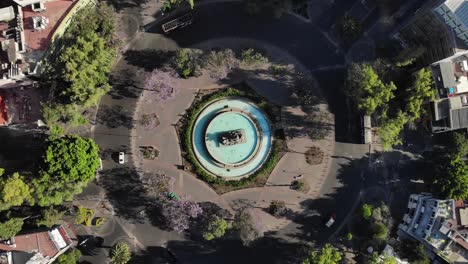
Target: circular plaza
(231,137)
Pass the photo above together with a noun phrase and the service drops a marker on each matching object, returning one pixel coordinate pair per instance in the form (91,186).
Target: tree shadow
(114,117)
(120,5)
(21,150)
(154,254)
(125,191)
(148,59)
(90,245)
(124,84)
(264,250)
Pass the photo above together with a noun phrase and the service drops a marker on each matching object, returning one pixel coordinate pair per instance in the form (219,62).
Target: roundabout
(231,137)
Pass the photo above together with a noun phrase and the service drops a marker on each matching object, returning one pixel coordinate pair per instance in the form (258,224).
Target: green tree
(380,232)
(70,257)
(70,162)
(458,144)
(50,217)
(10,228)
(349,29)
(375,258)
(389,131)
(215,228)
(364,86)
(451,179)
(169,5)
(79,71)
(245,226)
(187,62)
(421,91)
(366,211)
(421,256)
(120,253)
(326,255)
(84,216)
(14,192)
(87,62)
(408,56)
(414,252)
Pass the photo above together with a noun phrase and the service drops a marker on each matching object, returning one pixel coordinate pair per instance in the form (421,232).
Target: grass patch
(256,179)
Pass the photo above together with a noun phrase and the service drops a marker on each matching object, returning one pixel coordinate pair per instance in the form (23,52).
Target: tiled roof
(41,242)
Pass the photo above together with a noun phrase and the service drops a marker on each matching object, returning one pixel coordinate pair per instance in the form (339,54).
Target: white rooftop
(7,13)
(24,3)
(464,216)
(57,238)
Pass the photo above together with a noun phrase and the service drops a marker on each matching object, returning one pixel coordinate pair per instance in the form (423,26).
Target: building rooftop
(434,223)
(47,243)
(7,13)
(464,216)
(3,110)
(459,118)
(54,12)
(460,9)
(450,109)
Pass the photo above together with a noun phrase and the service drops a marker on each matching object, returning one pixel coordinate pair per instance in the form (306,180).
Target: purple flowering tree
(161,85)
(179,213)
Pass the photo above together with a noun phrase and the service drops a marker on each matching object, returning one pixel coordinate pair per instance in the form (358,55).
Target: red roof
(37,242)
(55,12)
(3,110)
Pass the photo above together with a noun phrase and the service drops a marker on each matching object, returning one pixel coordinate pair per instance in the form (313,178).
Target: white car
(121,158)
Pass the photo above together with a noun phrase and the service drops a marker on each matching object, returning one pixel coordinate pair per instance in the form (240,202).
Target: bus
(179,22)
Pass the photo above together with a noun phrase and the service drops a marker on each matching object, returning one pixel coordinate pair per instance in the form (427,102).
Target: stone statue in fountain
(232,137)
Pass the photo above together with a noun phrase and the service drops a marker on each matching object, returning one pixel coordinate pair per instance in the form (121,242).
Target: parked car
(121,158)
(331,221)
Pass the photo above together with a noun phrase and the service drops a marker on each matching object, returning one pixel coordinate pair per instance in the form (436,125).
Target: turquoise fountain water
(234,159)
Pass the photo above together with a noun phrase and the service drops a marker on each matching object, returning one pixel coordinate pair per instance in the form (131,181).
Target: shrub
(380,232)
(56,131)
(298,185)
(149,152)
(314,156)
(187,62)
(251,57)
(120,253)
(84,215)
(72,256)
(149,121)
(278,70)
(50,217)
(277,208)
(366,211)
(220,63)
(98,221)
(215,228)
